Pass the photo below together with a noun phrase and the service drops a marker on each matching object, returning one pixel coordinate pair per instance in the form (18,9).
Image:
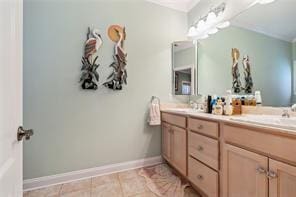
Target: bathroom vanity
(227,158)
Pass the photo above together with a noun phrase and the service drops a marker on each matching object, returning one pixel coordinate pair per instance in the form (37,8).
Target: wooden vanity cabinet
(174,142)
(251,166)
(282,180)
(227,159)
(244,173)
(178,147)
(166,141)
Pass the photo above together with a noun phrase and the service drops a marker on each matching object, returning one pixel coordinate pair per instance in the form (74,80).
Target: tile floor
(123,184)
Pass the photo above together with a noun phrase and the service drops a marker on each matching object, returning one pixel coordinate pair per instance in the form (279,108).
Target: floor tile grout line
(59,193)
(120,184)
(91,186)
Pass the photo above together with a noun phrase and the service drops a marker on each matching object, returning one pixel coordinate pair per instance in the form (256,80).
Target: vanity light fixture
(204,36)
(213,31)
(265,1)
(211,18)
(223,25)
(192,31)
(201,24)
(209,24)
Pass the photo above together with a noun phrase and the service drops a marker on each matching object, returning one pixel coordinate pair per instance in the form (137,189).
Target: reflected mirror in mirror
(268,40)
(184,67)
(183,82)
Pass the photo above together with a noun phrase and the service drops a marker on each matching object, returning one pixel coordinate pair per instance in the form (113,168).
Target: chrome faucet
(193,105)
(286,113)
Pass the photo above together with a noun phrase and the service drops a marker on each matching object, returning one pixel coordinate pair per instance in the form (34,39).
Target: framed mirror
(184,68)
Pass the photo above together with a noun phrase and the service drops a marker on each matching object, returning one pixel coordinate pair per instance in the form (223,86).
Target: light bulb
(201,24)
(223,24)
(192,32)
(213,31)
(211,17)
(204,36)
(266,1)
(220,15)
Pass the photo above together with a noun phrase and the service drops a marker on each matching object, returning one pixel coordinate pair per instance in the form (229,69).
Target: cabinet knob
(200,177)
(271,175)
(200,127)
(261,170)
(200,148)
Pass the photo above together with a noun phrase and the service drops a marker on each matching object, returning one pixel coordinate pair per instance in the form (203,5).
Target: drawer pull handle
(271,175)
(200,148)
(200,127)
(261,170)
(200,177)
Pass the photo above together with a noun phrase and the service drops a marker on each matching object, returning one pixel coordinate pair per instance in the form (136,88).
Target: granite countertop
(237,120)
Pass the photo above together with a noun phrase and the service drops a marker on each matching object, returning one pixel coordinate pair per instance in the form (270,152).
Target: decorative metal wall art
(247,72)
(119,75)
(89,75)
(236,83)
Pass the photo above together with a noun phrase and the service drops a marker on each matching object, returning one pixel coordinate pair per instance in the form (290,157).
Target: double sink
(264,120)
(268,120)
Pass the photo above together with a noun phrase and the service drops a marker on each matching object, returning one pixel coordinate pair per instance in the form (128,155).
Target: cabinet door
(179,156)
(244,173)
(166,141)
(282,179)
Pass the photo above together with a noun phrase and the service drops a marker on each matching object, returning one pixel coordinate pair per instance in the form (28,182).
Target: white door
(11,173)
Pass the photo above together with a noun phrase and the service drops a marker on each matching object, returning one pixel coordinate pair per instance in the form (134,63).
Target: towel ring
(154,98)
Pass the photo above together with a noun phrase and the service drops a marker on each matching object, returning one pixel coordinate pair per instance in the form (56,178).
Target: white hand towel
(154,114)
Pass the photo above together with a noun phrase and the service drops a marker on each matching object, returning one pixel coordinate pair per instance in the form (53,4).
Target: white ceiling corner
(278,20)
(180,5)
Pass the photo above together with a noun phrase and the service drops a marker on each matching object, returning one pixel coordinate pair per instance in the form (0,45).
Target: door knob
(21,133)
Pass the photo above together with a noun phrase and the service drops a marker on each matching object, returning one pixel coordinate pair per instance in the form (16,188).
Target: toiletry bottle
(219,107)
(209,102)
(258,98)
(213,104)
(228,109)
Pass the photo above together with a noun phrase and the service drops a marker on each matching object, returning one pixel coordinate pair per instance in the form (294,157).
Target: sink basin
(269,120)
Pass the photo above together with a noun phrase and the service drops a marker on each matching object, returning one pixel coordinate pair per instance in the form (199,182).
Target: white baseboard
(36,183)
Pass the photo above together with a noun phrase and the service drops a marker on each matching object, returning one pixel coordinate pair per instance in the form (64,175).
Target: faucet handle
(293,108)
(286,113)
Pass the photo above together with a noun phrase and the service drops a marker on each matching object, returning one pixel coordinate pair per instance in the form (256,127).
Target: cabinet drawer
(203,177)
(281,147)
(204,149)
(203,126)
(174,119)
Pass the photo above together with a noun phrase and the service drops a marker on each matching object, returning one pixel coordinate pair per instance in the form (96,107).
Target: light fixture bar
(220,8)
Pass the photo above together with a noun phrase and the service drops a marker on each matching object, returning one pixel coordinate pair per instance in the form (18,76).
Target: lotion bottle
(228,110)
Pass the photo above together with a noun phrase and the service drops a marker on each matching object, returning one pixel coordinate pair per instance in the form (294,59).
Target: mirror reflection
(184,67)
(256,53)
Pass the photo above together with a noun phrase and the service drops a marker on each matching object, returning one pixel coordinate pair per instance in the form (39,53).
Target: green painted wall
(294,50)
(271,64)
(76,129)
(184,57)
(294,73)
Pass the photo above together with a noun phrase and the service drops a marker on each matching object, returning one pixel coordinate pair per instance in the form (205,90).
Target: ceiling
(181,5)
(276,19)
